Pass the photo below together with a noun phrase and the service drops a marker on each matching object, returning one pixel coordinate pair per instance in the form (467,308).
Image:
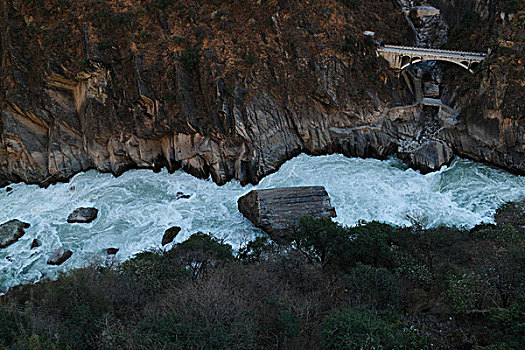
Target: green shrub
(343,248)
(255,249)
(411,269)
(370,244)
(508,325)
(502,234)
(81,328)
(320,239)
(201,252)
(465,291)
(151,270)
(279,321)
(207,244)
(190,59)
(163,4)
(512,6)
(353,4)
(170,331)
(12,325)
(373,287)
(351,329)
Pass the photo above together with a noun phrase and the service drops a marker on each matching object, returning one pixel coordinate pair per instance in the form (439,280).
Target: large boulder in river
(82,215)
(279,210)
(11,231)
(60,256)
(431,156)
(170,234)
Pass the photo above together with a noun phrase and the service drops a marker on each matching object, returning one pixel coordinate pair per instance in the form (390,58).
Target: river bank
(327,286)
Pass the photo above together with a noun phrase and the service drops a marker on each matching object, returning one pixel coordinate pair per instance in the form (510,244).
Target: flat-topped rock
(11,231)
(424,11)
(59,256)
(279,210)
(82,215)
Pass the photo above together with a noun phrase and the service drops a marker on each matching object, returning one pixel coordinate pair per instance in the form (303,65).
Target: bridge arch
(463,64)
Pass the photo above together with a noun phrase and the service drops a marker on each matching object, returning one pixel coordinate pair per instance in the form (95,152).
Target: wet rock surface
(83,215)
(112,251)
(60,256)
(35,243)
(431,156)
(181,195)
(170,234)
(11,231)
(277,211)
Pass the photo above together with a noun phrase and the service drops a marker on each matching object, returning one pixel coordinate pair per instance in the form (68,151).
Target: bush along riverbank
(373,286)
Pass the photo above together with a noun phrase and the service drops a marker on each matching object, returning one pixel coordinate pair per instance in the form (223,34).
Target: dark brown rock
(8,189)
(181,195)
(279,210)
(11,231)
(35,244)
(170,234)
(82,215)
(59,256)
(112,251)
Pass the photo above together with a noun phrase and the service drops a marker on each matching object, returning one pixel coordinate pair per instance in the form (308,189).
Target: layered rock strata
(277,211)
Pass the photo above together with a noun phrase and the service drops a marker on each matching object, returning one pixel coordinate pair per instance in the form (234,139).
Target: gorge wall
(227,89)
(491,122)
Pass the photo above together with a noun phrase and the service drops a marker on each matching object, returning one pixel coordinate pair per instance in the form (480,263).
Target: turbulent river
(136,208)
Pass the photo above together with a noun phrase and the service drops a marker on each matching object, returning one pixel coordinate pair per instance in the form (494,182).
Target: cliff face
(227,89)
(491,122)
(230,89)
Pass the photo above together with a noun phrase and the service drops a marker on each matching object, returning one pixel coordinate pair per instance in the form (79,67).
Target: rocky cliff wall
(491,102)
(227,89)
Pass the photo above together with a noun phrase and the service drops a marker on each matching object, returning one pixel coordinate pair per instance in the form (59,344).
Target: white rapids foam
(136,208)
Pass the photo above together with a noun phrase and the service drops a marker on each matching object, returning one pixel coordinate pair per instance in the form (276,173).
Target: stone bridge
(401,57)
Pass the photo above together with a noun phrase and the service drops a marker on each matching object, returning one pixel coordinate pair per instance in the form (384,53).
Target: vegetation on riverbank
(373,286)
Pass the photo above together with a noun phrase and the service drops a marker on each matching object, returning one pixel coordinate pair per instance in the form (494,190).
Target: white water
(136,208)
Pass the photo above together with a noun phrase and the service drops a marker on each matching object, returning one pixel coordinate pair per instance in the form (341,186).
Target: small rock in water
(36,243)
(112,251)
(181,195)
(82,215)
(60,256)
(170,234)
(8,189)
(11,231)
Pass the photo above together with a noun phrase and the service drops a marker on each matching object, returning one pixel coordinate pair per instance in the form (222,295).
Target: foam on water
(136,208)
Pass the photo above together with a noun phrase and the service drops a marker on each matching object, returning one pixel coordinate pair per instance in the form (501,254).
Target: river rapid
(136,208)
